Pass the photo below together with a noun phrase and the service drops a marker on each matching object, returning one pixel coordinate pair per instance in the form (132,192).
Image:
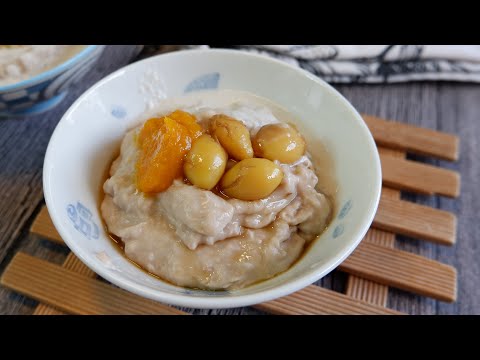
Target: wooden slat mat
(409,138)
(373,267)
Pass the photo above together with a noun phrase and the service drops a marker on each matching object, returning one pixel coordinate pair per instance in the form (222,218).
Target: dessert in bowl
(182,215)
(226,178)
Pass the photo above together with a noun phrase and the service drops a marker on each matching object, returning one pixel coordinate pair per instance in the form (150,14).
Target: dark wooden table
(450,107)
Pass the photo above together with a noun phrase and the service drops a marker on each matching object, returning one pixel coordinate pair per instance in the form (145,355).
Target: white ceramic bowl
(90,132)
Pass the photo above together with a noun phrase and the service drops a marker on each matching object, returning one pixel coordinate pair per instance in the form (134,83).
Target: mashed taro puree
(20,62)
(198,239)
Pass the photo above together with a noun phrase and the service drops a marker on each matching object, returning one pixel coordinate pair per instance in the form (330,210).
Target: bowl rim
(47,74)
(229,301)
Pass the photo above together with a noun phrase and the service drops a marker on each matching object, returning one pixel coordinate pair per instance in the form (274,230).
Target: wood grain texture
(73,292)
(450,107)
(310,301)
(418,221)
(403,270)
(71,263)
(412,139)
(314,300)
(417,177)
(43,226)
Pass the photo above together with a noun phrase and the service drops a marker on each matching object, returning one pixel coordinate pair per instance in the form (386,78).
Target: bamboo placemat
(373,267)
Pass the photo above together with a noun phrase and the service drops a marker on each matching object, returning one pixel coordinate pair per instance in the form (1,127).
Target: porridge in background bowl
(215,192)
(36,78)
(20,62)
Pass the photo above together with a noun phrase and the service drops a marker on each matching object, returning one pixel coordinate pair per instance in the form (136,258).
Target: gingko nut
(232,135)
(279,142)
(205,162)
(251,179)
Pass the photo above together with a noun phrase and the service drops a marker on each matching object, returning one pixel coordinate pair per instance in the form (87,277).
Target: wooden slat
(72,292)
(367,290)
(292,304)
(71,263)
(403,270)
(43,226)
(417,177)
(77,294)
(314,300)
(413,139)
(414,220)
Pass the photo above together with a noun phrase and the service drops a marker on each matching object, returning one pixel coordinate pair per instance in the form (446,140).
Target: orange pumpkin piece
(163,144)
(187,120)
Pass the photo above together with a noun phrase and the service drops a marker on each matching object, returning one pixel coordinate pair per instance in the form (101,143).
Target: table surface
(450,107)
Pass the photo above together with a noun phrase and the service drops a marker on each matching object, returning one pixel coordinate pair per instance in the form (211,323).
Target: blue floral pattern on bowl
(345,209)
(118,111)
(204,82)
(81,218)
(340,228)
